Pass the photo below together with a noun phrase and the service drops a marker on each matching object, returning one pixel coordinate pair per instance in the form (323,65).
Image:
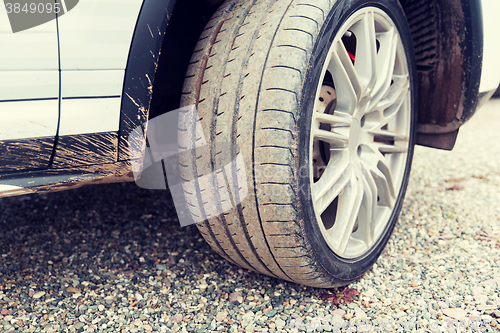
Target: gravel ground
(113,258)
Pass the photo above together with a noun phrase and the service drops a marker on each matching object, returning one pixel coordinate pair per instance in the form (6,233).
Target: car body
(75,89)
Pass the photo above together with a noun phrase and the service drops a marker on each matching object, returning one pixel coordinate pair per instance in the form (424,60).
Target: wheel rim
(360,133)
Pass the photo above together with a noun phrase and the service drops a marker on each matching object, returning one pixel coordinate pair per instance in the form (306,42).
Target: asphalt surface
(113,258)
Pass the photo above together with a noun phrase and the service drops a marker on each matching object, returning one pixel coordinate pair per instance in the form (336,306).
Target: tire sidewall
(333,265)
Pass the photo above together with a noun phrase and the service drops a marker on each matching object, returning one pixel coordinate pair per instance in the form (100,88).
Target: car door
(95,38)
(29,95)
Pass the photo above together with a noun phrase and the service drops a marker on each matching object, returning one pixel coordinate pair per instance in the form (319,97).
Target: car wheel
(316,102)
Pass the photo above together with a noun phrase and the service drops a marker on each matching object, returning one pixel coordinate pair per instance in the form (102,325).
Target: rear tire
(256,77)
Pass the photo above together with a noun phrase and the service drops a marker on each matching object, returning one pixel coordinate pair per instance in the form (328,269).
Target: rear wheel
(317,103)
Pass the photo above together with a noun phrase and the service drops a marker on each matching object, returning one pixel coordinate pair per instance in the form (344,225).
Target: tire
(265,90)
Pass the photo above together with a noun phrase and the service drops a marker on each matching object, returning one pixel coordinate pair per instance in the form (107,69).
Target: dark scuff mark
(27,154)
(85,149)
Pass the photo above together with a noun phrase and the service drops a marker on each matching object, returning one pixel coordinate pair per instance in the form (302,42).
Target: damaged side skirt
(64,179)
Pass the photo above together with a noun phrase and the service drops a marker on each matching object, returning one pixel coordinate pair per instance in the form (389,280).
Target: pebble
(338,312)
(279,323)
(177,318)
(271,313)
(79,325)
(221,316)
(161,267)
(399,314)
(38,294)
(73,290)
(233,297)
(112,258)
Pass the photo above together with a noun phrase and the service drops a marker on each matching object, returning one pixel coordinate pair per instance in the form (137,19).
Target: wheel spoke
(348,66)
(366,52)
(385,64)
(390,135)
(345,79)
(331,184)
(334,139)
(393,103)
(391,149)
(370,201)
(385,187)
(333,120)
(347,214)
(381,173)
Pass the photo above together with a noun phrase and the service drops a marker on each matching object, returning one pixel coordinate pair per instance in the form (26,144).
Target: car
(284,129)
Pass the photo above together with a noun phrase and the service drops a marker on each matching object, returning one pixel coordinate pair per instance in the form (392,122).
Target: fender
(141,68)
(448,41)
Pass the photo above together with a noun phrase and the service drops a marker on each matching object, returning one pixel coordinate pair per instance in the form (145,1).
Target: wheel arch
(448,42)
(140,72)
(151,85)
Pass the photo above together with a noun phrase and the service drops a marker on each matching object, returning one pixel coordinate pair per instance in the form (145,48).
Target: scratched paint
(75,150)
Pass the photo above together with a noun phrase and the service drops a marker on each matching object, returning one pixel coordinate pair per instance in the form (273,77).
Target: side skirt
(63,179)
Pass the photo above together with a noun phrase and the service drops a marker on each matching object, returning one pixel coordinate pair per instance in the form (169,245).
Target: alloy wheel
(360,133)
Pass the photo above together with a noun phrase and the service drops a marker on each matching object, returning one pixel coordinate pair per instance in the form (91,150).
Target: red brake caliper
(352,56)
